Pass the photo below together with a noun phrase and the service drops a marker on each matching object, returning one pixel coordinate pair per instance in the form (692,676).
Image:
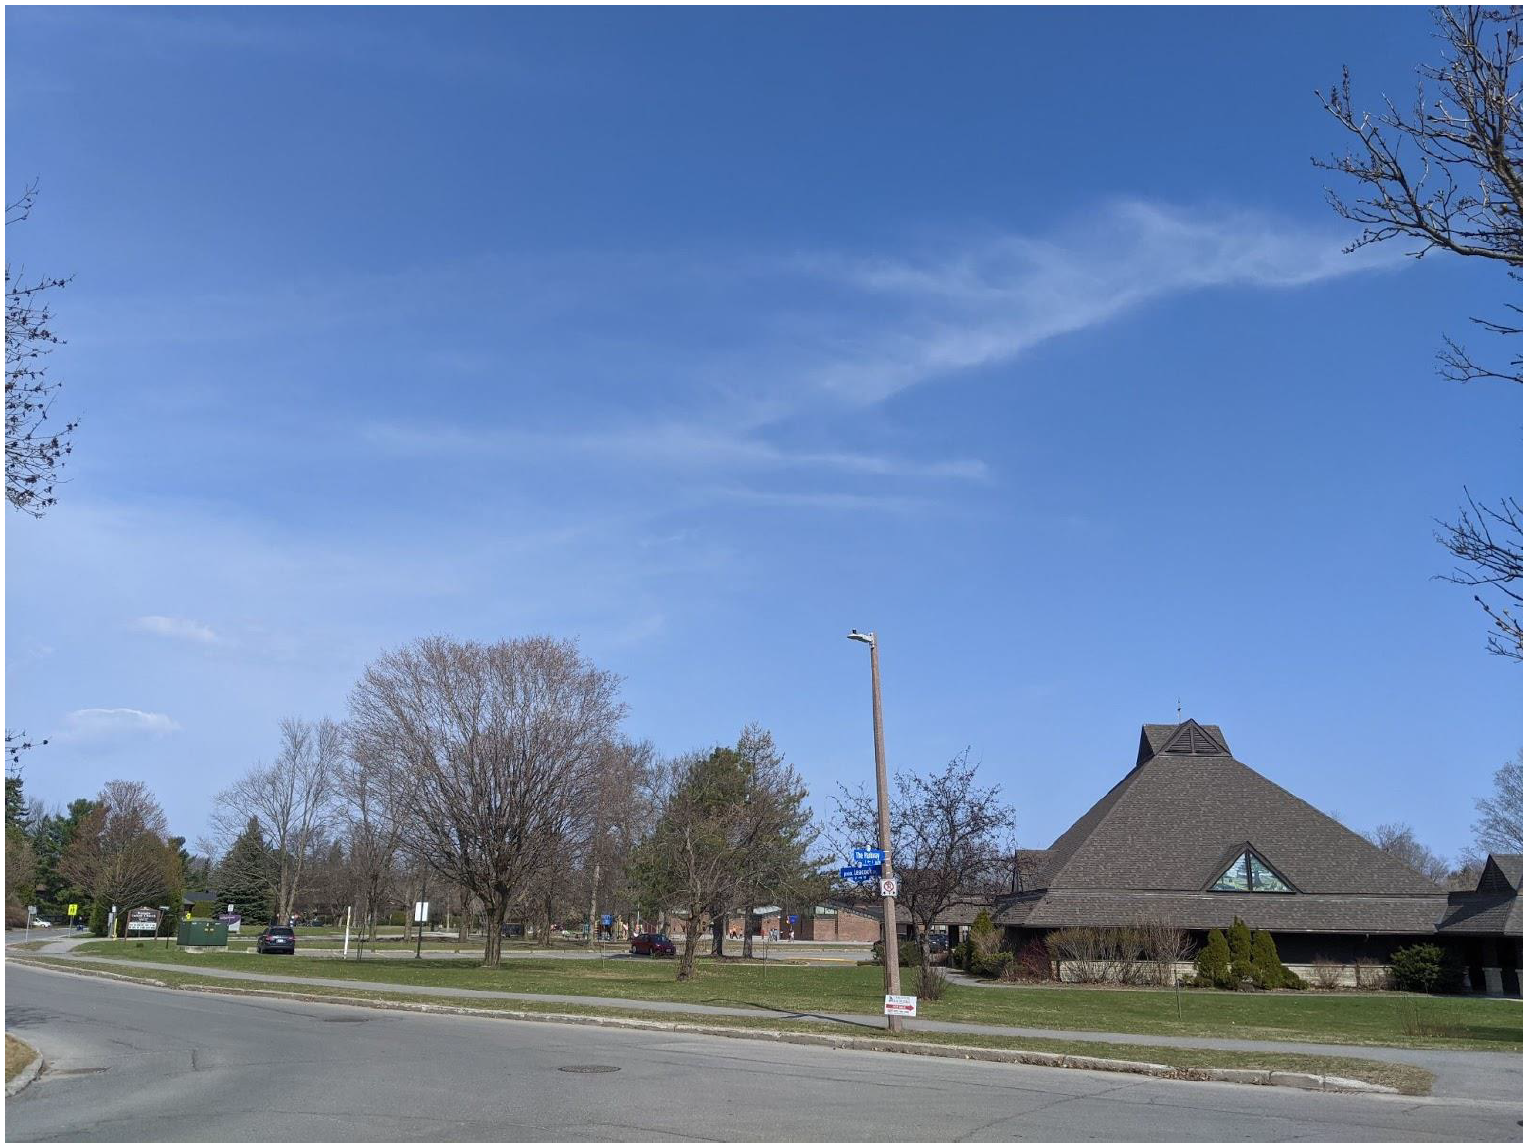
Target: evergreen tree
(1240,951)
(247,875)
(1214,960)
(50,839)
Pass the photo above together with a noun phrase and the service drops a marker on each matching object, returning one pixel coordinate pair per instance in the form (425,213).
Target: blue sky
(1021,336)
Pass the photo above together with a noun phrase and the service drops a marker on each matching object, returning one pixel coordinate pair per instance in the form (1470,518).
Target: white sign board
(143,919)
(31,910)
(420,912)
(889,888)
(900,1005)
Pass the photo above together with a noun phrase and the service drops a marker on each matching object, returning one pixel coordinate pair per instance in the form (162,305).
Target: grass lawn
(1344,1019)
(1406,1078)
(17,1055)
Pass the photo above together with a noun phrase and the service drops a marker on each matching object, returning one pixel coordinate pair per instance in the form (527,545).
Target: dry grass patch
(18,1055)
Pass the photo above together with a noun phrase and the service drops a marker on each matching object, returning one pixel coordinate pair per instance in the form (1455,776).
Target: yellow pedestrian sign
(73,909)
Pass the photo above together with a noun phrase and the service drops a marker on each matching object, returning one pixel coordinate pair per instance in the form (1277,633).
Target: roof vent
(1191,738)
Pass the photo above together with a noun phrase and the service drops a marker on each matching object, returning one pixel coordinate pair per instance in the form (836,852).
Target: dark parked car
(656,945)
(277,940)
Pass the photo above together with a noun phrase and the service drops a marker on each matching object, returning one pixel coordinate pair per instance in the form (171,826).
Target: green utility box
(202,932)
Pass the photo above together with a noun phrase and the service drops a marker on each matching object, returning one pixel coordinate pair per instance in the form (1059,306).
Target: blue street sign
(863,872)
(867,855)
(793,918)
(608,920)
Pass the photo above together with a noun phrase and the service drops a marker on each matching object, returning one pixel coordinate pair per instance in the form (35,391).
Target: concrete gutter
(28,1072)
(1326,1082)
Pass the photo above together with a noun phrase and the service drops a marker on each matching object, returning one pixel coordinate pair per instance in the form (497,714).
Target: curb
(27,1075)
(1329,1083)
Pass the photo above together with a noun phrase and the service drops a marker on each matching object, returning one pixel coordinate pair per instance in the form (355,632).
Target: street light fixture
(891,939)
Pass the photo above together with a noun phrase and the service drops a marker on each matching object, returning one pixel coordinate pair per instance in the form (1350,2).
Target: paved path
(130,1063)
(1458,1073)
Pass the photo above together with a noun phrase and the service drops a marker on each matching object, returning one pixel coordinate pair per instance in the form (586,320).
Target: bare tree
(1499,826)
(1397,840)
(1447,176)
(34,451)
(1486,542)
(610,830)
(373,802)
(119,853)
(501,743)
(292,798)
(949,840)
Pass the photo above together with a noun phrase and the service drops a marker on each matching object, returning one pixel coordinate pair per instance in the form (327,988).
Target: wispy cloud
(672,444)
(823,499)
(99,725)
(827,334)
(989,302)
(176,628)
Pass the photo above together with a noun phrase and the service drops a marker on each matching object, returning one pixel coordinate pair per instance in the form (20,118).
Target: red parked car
(655,945)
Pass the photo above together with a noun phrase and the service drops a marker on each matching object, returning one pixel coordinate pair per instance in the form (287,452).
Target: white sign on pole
(889,888)
(31,910)
(420,912)
(900,1005)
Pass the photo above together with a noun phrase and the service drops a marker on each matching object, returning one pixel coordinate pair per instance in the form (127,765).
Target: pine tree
(247,875)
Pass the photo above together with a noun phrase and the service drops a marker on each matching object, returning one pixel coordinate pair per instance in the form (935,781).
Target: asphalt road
(134,1063)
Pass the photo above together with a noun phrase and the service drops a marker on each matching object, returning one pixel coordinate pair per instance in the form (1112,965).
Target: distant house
(1193,837)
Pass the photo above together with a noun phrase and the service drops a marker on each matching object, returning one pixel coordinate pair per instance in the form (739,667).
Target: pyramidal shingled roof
(1189,807)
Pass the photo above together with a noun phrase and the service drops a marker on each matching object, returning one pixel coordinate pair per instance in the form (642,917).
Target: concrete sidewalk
(1472,1074)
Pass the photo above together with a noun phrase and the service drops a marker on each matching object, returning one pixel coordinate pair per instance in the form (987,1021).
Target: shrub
(1266,969)
(909,954)
(98,916)
(1214,963)
(1240,951)
(1031,962)
(1372,975)
(1419,1022)
(930,983)
(1164,946)
(1426,968)
(984,947)
(1327,973)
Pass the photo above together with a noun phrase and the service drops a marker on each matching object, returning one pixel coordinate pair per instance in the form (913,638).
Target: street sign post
(870,856)
(73,909)
(900,1005)
(421,916)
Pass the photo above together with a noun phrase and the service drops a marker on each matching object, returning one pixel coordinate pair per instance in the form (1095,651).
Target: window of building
(1250,873)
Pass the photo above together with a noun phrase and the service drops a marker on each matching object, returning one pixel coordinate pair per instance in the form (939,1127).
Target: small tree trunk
(717,935)
(746,930)
(593,905)
(548,909)
(690,943)
(492,951)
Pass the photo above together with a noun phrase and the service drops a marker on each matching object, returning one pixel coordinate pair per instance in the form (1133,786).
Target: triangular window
(1249,872)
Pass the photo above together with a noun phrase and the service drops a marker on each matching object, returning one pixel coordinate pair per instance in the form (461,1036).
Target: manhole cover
(589,1068)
